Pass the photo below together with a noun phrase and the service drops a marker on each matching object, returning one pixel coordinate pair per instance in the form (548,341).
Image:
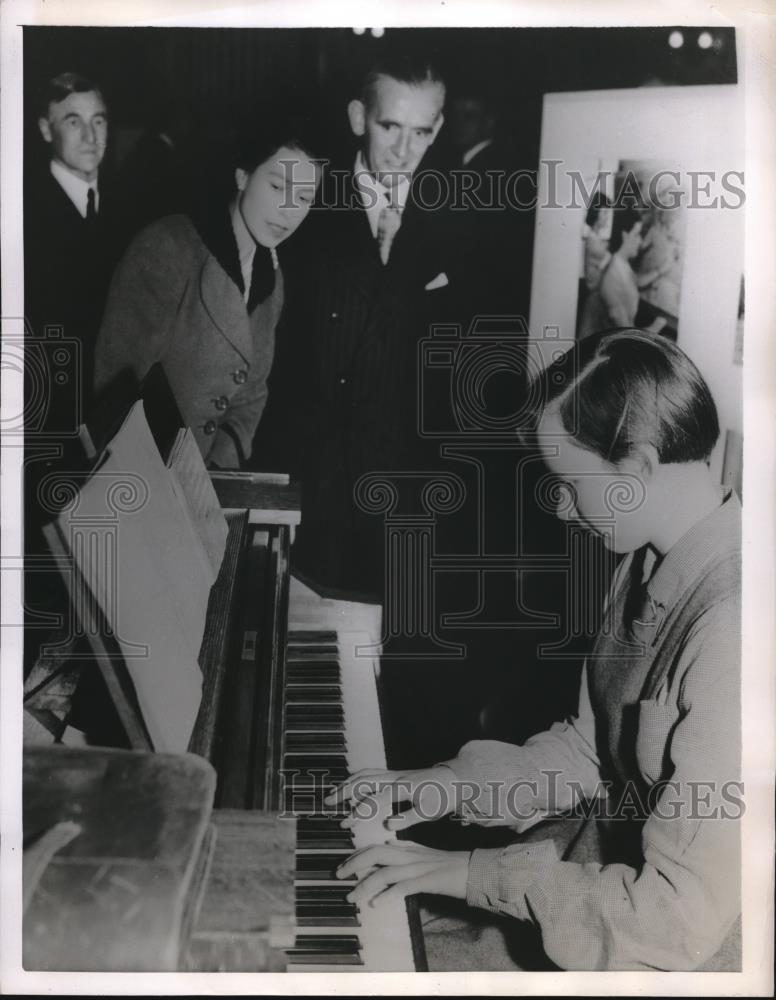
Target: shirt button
(240,377)
(342,381)
(210,427)
(221,403)
(334,315)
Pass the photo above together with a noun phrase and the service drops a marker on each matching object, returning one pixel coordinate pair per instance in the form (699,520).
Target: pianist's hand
(393,871)
(430,792)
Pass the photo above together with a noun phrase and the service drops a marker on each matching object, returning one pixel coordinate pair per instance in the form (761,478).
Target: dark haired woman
(202,294)
(644,870)
(615,301)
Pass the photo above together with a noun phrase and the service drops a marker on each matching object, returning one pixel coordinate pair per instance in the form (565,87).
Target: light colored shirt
(676,908)
(246,250)
(76,188)
(376,196)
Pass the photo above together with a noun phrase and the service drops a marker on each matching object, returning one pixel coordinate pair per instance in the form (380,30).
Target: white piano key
(384,931)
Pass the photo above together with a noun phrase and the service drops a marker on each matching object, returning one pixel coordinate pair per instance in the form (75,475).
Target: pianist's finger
(384,854)
(375,807)
(396,870)
(362,783)
(372,885)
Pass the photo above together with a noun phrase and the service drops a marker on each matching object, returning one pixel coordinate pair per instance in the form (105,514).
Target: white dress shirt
(76,188)
(375,196)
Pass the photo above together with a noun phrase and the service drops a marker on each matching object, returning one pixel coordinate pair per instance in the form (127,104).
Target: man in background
(67,238)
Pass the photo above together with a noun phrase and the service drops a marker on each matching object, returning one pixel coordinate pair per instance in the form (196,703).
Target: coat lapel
(223,302)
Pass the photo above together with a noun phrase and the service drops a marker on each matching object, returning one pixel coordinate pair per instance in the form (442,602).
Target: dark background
(218,72)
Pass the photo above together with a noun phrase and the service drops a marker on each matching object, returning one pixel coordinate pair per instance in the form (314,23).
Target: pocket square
(439,282)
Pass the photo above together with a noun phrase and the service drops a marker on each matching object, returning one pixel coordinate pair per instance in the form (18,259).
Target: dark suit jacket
(67,266)
(344,390)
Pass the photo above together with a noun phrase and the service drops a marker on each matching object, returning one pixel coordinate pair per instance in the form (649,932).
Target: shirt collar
(76,188)
(713,537)
(373,193)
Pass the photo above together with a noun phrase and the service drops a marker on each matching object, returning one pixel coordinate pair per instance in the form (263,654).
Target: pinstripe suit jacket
(349,363)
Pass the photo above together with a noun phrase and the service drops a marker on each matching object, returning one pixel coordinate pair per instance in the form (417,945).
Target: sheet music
(193,485)
(155,602)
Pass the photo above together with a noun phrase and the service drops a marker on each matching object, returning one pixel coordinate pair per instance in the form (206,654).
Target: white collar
(76,188)
(373,192)
(469,155)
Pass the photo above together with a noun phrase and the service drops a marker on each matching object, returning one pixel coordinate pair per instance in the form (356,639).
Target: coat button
(240,377)
(210,427)
(221,403)
(342,381)
(334,315)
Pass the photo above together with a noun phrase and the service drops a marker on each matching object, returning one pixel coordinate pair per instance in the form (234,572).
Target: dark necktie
(91,209)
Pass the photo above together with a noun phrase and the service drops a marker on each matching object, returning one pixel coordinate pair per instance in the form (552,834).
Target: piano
(290,706)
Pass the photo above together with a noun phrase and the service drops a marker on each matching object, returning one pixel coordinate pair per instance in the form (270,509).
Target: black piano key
(343,917)
(325,822)
(297,802)
(320,866)
(326,842)
(300,680)
(326,711)
(314,724)
(296,742)
(297,671)
(313,694)
(308,759)
(322,893)
(319,958)
(327,942)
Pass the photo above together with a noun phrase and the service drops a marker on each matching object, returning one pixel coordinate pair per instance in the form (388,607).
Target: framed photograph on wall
(640,222)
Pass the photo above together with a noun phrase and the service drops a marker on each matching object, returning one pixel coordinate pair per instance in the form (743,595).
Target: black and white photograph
(379,600)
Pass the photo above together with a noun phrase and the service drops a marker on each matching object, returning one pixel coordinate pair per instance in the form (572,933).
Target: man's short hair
(61,86)
(404,67)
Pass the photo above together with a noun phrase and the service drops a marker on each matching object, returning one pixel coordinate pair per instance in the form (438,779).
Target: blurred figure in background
(156,176)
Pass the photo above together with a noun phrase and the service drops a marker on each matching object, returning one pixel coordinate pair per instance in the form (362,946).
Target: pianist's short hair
(402,65)
(62,86)
(617,389)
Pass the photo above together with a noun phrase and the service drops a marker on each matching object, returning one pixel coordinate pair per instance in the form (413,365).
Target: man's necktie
(387,227)
(91,209)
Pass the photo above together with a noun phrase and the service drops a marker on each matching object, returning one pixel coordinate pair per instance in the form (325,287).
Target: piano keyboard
(332,728)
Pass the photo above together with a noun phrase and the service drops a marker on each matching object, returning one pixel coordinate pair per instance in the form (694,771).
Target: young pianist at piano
(627,852)
(202,292)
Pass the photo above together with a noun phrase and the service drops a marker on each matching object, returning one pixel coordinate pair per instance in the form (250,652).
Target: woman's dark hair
(262,135)
(599,201)
(248,143)
(621,388)
(623,221)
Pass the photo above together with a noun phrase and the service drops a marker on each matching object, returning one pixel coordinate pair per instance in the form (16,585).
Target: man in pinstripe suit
(373,275)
